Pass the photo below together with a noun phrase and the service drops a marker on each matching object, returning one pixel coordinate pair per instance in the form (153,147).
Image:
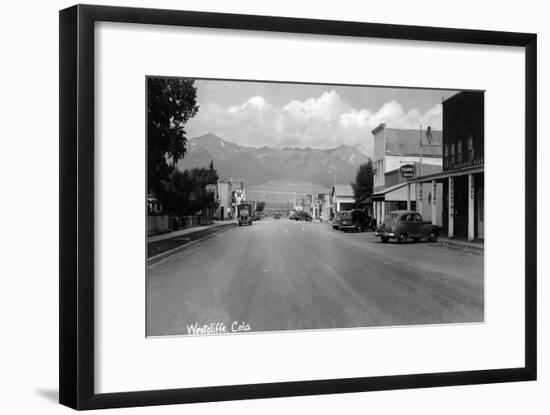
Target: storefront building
(462,176)
(401,154)
(226,197)
(342,198)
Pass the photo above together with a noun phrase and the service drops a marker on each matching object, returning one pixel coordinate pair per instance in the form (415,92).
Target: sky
(303,115)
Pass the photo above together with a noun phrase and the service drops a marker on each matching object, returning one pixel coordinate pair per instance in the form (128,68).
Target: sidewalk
(175,234)
(464,243)
(176,241)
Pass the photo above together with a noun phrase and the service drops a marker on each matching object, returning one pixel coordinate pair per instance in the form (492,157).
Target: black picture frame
(76,278)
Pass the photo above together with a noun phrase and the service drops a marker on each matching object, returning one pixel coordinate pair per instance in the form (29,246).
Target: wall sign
(408,170)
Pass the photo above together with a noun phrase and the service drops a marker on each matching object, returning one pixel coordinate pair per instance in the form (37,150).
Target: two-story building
(401,154)
(225,197)
(462,176)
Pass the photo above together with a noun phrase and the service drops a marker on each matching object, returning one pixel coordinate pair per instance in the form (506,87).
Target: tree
(186,191)
(362,188)
(260,206)
(171,102)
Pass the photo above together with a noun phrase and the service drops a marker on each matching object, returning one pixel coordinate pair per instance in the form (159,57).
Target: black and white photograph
(276,206)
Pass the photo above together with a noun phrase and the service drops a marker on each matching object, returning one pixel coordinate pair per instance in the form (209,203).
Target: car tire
(384,239)
(402,238)
(432,237)
(359,229)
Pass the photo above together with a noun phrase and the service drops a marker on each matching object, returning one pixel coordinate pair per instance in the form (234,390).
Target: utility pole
(420,169)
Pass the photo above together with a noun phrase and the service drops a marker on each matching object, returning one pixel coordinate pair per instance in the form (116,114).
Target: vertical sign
(434,202)
(471,217)
(451,196)
(420,207)
(451,224)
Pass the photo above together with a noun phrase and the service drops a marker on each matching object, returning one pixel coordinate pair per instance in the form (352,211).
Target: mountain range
(257,165)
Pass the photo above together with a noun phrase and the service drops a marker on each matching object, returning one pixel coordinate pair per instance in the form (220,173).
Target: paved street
(282,274)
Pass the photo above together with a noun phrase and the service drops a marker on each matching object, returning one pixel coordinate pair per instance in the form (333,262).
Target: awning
(446,174)
(381,194)
(366,201)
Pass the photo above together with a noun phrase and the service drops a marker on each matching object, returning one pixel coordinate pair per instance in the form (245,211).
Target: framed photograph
(258,207)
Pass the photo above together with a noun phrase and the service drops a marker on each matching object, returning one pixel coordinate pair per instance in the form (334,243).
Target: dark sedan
(352,220)
(406,224)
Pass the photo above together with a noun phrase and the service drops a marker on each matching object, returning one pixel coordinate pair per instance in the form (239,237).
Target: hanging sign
(408,170)
(239,195)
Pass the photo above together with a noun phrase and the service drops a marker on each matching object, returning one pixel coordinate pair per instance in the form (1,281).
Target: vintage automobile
(354,220)
(244,214)
(406,224)
(276,215)
(336,220)
(304,216)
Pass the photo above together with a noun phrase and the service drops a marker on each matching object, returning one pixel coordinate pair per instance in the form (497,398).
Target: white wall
(29,244)
(394,162)
(379,153)
(426,208)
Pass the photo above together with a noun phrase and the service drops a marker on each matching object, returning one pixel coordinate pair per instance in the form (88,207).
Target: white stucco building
(418,150)
(342,198)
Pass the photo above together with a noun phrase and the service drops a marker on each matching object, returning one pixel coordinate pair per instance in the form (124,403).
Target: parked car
(276,215)
(336,220)
(244,214)
(356,220)
(406,224)
(304,216)
(292,215)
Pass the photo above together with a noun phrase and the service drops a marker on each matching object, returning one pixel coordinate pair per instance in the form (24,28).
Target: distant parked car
(304,216)
(276,215)
(355,220)
(292,215)
(406,224)
(336,219)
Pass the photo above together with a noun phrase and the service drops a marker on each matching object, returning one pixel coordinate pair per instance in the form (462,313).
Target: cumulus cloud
(322,122)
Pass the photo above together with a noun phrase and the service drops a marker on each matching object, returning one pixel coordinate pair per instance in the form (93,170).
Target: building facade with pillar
(401,154)
(342,197)
(462,176)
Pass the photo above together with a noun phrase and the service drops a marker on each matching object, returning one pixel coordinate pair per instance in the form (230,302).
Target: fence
(157,224)
(181,222)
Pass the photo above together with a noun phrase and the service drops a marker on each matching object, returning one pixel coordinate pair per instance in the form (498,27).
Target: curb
(157,258)
(461,244)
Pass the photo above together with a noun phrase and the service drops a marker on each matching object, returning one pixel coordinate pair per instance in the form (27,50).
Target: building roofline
(378,128)
(448,173)
(392,153)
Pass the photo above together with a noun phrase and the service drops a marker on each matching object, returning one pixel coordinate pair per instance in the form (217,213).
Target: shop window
(470,148)
(452,155)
